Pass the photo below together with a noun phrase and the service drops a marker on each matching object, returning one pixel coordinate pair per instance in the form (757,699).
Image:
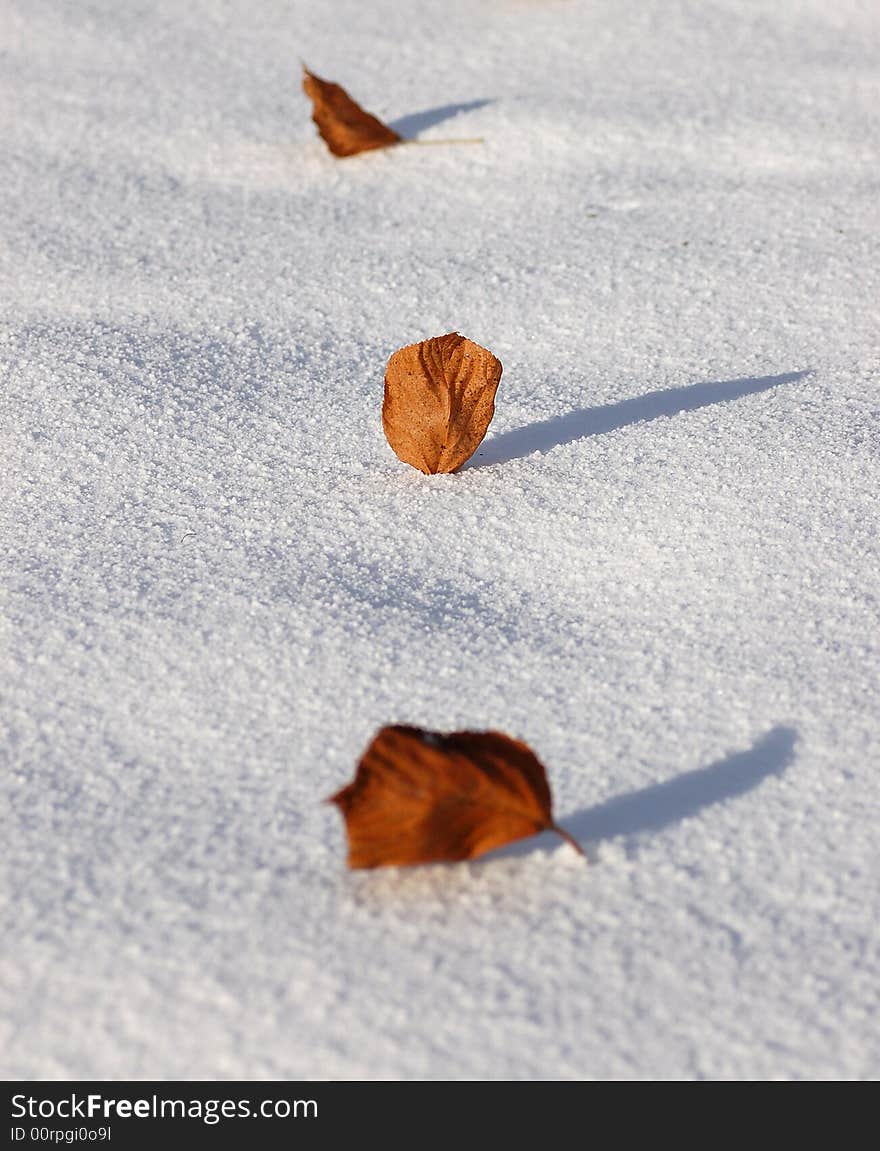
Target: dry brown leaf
(345,126)
(422,796)
(439,401)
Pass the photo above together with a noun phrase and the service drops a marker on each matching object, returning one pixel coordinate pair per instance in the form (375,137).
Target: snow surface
(661,570)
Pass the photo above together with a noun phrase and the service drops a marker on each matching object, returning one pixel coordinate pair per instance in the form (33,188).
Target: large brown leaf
(345,126)
(422,796)
(439,401)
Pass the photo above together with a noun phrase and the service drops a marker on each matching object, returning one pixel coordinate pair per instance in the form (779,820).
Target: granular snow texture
(660,569)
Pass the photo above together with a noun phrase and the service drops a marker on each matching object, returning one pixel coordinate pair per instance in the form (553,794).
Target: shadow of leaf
(663,804)
(410,126)
(547,434)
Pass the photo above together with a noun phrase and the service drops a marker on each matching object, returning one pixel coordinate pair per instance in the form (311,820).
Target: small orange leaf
(345,126)
(422,796)
(439,401)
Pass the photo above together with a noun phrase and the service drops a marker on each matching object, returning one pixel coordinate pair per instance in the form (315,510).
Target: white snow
(661,570)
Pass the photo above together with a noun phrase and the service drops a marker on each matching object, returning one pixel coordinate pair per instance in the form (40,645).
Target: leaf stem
(568,838)
(432,143)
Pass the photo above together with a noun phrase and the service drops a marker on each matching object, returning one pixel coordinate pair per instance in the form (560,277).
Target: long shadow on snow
(663,804)
(410,126)
(547,434)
